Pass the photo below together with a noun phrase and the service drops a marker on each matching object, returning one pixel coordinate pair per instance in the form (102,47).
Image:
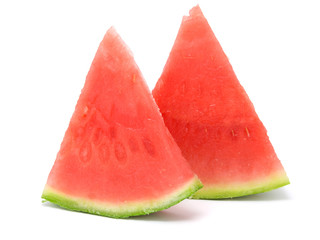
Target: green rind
(123,210)
(242,189)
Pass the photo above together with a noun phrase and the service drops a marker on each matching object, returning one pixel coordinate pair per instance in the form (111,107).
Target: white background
(46,49)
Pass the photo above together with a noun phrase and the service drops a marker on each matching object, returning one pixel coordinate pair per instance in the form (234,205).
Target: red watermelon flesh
(212,118)
(117,157)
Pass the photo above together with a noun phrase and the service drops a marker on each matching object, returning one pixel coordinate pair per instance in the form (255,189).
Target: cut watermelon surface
(212,118)
(117,158)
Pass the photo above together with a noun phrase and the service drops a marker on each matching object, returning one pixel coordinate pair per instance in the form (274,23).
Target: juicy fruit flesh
(211,117)
(117,153)
(98,153)
(225,154)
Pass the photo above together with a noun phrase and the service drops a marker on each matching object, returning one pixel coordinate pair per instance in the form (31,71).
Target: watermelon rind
(232,190)
(121,210)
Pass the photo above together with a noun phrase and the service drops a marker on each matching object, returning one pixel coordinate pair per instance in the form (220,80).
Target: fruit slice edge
(123,210)
(220,191)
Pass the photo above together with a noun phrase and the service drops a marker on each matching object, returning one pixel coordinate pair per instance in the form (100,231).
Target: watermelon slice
(212,119)
(117,158)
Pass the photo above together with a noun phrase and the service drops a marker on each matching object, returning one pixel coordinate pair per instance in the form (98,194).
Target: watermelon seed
(247,132)
(120,152)
(213,58)
(113,132)
(188,57)
(134,78)
(85,111)
(232,132)
(85,153)
(148,145)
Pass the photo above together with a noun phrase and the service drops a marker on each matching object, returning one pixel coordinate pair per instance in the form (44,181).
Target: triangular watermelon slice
(117,158)
(212,119)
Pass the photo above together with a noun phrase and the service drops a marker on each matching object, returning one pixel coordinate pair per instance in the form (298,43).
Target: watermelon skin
(117,158)
(221,191)
(212,118)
